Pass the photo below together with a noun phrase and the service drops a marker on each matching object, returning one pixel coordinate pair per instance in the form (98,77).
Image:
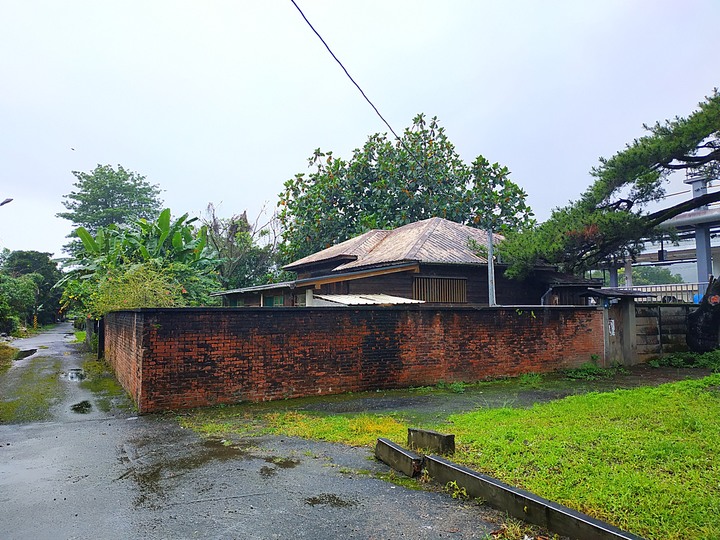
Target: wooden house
(431,261)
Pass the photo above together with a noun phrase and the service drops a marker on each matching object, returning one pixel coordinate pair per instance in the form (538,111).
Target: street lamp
(5,201)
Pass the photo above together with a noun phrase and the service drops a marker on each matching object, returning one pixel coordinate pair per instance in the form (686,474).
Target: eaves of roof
(257,288)
(327,278)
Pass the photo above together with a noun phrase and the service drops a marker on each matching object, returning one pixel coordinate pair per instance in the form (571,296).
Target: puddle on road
(154,479)
(76,374)
(329,499)
(84,407)
(24,354)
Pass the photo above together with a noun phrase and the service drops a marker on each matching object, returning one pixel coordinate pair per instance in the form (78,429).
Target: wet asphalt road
(118,476)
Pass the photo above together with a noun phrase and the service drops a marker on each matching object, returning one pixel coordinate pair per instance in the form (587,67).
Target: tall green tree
(106,196)
(389,183)
(652,275)
(18,300)
(609,223)
(45,274)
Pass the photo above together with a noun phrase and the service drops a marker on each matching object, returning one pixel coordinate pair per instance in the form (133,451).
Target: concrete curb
(431,441)
(405,461)
(516,502)
(523,504)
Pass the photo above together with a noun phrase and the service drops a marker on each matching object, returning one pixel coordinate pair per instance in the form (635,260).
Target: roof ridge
(435,222)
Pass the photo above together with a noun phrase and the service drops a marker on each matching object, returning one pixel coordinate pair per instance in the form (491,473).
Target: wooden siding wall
(508,292)
(661,328)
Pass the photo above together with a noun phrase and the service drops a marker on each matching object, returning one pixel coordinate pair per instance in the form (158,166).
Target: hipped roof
(431,241)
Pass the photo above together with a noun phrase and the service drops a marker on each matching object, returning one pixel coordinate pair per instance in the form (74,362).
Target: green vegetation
(456,387)
(590,371)
(161,263)
(103,384)
(643,459)
(6,356)
(709,360)
(27,294)
(247,251)
(387,183)
(650,275)
(609,222)
(353,429)
(530,380)
(33,394)
(106,196)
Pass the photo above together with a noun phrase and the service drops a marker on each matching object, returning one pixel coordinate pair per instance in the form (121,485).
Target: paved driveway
(113,475)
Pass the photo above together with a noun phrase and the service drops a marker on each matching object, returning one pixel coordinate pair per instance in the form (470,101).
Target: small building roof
(615,292)
(257,288)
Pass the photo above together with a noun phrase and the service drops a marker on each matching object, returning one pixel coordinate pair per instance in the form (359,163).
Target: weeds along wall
(179,358)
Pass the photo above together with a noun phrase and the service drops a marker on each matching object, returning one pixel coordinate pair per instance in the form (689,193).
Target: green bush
(708,360)
(590,371)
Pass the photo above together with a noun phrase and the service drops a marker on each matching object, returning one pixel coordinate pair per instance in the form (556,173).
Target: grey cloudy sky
(223,101)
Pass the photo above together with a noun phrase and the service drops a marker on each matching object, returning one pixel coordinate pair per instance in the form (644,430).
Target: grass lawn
(645,460)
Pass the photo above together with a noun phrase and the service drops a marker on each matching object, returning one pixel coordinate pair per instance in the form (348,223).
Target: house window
(437,289)
(272,301)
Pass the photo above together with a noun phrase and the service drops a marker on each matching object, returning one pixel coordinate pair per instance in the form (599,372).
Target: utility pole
(491,269)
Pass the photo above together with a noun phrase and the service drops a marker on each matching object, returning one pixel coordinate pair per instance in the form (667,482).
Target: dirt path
(112,475)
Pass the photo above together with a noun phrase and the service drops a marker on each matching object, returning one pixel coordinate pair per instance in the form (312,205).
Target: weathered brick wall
(124,349)
(195,357)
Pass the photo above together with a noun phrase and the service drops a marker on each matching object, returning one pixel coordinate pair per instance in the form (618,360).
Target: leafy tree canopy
(388,183)
(166,261)
(45,274)
(654,275)
(106,196)
(18,300)
(609,223)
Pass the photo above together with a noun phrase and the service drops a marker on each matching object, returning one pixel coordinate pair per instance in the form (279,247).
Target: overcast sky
(223,102)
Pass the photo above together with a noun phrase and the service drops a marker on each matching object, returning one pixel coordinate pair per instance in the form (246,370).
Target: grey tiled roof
(353,248)
(431,241)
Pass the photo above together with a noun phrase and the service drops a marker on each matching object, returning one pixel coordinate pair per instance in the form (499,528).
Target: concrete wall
(661,328)
(175,358)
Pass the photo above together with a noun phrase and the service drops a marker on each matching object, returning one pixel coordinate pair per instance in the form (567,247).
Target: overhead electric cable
(350,77)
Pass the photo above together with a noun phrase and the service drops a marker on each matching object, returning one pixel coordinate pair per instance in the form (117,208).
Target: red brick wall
(124,347)
(179,358)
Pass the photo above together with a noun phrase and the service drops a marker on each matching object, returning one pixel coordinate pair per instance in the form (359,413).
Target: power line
(350,77)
